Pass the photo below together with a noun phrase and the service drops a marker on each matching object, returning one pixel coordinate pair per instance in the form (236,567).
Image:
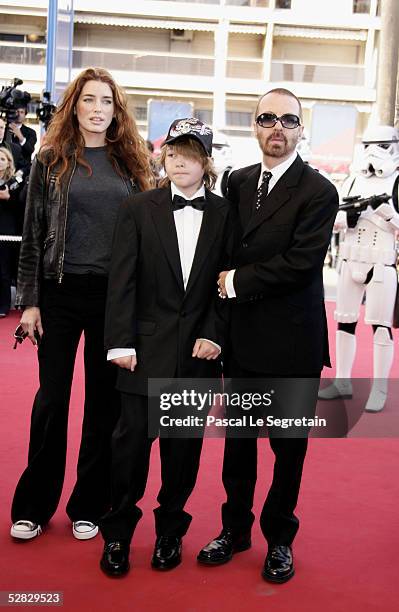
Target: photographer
(22,135)
(14,148)
(9,202)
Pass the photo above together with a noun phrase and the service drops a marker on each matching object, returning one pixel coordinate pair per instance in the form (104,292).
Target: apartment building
(219,55)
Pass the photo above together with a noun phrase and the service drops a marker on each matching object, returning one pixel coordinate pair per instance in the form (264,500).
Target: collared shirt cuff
(211,342)
(229,284)
(120,352)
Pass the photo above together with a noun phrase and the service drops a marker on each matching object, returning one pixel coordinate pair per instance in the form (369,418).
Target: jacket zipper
(61,264)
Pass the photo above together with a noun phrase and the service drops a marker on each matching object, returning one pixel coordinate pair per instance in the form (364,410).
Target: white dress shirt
(188,221)
(277,173)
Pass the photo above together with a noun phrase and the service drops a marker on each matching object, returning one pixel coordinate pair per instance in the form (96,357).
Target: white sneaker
(84,530)
(25,530)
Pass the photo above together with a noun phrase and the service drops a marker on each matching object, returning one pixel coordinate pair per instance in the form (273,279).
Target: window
(283,4)
(361,6)
(23,38)
(12,37)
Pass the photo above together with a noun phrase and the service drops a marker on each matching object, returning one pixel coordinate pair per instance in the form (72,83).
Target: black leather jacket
(43,240)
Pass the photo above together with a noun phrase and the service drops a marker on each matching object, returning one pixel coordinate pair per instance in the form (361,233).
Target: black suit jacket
(147,306)
(278,321)
(28,148)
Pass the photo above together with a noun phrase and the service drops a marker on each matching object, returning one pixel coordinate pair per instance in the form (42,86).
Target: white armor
(369,250)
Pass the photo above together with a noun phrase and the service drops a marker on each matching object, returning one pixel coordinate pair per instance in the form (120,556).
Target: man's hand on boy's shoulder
(128,363)
(203,349)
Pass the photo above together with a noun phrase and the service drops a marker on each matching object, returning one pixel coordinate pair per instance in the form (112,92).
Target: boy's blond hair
(191,148)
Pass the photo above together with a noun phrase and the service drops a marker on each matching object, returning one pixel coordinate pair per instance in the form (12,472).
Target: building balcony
(330,74)
(144,61)
(239,68)
(341,13)
(159,71)
(22,53)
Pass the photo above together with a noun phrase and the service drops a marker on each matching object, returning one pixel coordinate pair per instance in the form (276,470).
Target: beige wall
(25,24)
(245,45)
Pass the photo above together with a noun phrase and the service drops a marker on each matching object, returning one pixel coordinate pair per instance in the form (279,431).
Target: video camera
(12,98)
(46,109)
(14,182)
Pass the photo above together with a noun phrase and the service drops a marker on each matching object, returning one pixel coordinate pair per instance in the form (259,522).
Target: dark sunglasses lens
(290,121)
(266,119)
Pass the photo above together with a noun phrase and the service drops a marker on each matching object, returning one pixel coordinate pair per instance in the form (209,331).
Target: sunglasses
(269,120)
(20,336)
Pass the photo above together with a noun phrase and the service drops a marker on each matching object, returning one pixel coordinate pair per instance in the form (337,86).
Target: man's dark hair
(282,92)
(18,104)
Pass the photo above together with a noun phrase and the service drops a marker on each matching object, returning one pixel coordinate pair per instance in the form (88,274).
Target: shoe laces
(279,553)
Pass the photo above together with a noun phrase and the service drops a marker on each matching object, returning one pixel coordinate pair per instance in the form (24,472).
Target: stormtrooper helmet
(380,151)
(221,152)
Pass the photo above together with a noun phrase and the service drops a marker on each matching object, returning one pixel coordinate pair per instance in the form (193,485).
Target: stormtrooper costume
(368,266)
(222,161)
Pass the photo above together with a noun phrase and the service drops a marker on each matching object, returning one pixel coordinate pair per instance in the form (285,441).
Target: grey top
(93,203)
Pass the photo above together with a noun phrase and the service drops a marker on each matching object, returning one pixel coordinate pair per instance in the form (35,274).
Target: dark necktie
(263,188)
(179,202)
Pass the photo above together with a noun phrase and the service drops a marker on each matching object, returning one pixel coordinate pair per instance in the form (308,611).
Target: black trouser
(278,521)
(131,448)
(76,305)
(6,261)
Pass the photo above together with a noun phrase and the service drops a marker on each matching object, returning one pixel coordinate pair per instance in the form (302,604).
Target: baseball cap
(194,128)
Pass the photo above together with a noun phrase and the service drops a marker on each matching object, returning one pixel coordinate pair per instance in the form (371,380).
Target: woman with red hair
(92,159)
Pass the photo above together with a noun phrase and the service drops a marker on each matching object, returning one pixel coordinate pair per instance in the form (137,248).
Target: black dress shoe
(279,564)
(167,553)
(115,559)
(221,549)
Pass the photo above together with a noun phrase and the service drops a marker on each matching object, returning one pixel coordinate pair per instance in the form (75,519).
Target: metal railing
(143,61)
(238,68)
(22,53)
(331,74)
(253,3)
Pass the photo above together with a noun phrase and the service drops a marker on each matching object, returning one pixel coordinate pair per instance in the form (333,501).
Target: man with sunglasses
(278,323)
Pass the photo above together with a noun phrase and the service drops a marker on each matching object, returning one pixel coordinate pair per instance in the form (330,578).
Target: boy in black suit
(163,321)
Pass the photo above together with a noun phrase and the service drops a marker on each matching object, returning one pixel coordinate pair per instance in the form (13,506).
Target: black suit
(149,310)
(28,147)
(278,325)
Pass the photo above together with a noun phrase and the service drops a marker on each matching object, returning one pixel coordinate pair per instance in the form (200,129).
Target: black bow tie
(179,202)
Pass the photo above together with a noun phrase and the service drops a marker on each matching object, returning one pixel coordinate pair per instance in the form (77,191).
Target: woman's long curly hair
(126,148)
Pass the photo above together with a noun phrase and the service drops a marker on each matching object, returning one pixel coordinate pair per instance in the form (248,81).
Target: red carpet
(346,549)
